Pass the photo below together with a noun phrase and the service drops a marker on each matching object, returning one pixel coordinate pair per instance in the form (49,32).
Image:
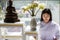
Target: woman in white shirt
(49,30)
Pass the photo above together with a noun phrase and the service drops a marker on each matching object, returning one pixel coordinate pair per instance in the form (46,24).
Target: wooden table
(5,25)
(32,33)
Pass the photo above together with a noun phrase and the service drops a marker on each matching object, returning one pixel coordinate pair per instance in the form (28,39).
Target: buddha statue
(11,15)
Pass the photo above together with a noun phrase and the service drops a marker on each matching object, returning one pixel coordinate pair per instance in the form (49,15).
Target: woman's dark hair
(48,11)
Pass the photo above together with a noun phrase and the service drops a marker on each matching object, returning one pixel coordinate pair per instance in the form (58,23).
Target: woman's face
(46,17)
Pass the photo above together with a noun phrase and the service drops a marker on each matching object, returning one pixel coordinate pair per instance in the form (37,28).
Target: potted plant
(31,9)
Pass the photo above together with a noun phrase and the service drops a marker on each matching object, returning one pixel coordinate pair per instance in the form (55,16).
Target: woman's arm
(57,33)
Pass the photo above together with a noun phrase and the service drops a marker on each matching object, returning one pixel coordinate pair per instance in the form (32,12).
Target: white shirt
(49,31)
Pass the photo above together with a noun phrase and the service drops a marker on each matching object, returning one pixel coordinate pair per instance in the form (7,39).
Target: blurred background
(54,5)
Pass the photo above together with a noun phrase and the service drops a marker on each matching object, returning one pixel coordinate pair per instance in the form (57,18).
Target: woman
(49,30)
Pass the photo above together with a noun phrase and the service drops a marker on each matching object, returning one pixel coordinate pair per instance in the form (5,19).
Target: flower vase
(33,24)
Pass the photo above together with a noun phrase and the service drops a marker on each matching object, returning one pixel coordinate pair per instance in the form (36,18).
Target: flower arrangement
(31,8)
